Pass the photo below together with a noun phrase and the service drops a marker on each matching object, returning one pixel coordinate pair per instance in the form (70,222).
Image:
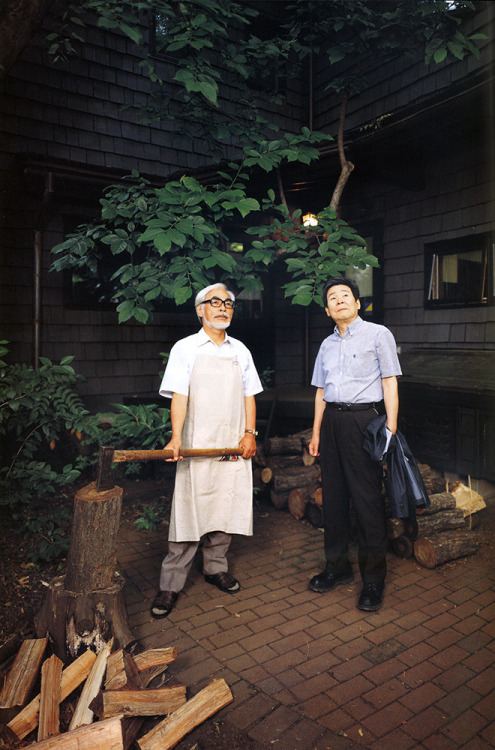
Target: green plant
(48,534)
(145,426)
(149,520)
(42,420)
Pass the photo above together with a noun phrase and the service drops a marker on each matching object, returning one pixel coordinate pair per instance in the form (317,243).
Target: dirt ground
(22,587)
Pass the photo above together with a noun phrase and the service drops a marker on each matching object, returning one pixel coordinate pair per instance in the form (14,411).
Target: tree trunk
(85,608)
(448,545)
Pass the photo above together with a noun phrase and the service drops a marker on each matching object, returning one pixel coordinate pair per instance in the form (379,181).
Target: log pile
(291,477)
(439,535)
(109,699)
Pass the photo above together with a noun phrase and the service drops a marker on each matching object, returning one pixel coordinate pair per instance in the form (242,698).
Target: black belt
(350,407)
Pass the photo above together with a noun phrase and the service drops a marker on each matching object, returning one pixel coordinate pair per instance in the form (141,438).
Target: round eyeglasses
(217,302)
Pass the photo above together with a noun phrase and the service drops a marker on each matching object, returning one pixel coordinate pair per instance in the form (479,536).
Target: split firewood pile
(99,701)
(285,471)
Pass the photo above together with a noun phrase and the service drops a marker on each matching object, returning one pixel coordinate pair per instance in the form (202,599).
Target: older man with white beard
(212,381)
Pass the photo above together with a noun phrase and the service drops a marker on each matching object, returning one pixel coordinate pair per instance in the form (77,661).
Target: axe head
(104,479)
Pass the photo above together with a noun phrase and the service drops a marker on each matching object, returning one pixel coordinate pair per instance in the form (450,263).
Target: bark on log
(104,735)
(442,521)
(314,514)
(9,648)
(445,546)
(86,607)
(279,499)
(280,464)
(172,729)
(438,502)
(49,718)
(76,621)
(130,730)
(72,676)
(122,671)
(395,528)
(292,479)
(318,496)
(155,702)
(83,714)
(21,676)
(403,547)
(91,561)
(297,502)
(307,458)
(284,446)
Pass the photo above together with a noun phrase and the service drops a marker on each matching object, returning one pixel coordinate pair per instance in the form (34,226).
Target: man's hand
(314,446)
(248,445)
(174,445)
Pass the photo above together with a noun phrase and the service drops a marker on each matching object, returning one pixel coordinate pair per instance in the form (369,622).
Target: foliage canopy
(176,238)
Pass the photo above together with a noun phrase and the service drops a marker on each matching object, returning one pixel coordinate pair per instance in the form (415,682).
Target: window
(459,273)
(370,280)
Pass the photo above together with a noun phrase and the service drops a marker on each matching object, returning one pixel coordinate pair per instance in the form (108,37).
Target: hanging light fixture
(310,220)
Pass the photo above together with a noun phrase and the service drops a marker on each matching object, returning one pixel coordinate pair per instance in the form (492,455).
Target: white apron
(211,494)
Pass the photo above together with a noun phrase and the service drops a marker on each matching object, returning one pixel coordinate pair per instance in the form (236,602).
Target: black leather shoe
(163,603)
(224,581)
(326,581)
(371,597)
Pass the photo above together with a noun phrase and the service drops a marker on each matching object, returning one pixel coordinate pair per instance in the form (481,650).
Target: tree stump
(85,608)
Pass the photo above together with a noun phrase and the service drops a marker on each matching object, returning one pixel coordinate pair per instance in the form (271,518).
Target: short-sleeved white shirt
(183,356)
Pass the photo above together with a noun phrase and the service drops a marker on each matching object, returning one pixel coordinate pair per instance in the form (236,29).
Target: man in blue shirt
(355,375)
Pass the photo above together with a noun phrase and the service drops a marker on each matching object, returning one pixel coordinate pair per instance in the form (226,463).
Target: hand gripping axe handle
(108,455)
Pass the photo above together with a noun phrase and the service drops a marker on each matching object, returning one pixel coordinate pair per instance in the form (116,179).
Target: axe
(108,455)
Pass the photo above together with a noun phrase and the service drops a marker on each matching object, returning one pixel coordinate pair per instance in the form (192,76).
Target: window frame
(482,242)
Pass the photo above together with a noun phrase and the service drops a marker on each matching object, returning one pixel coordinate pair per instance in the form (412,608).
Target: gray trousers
(177,564)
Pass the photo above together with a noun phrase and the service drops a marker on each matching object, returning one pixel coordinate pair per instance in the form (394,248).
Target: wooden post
(85,608)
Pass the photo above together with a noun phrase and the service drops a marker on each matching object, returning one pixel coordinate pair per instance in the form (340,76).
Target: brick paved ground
(310,671)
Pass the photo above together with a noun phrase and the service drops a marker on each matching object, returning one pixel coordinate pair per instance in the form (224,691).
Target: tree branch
(346,166)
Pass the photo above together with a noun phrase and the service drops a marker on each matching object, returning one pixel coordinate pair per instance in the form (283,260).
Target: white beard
(218,325)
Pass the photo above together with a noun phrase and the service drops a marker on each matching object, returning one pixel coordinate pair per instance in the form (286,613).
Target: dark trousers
(349,476)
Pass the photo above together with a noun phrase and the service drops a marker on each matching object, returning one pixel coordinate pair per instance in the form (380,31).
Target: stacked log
(109,713)
(439,535)
(290,476)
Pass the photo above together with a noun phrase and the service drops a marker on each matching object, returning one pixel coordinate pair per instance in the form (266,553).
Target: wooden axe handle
(140,455)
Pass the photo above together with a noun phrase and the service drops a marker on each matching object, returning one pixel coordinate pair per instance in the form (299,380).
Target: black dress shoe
(326,581)
(163,603)
(371,597)
(224,581)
